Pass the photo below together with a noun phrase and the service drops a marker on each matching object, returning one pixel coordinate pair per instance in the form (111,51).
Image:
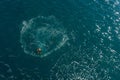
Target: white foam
(38,30)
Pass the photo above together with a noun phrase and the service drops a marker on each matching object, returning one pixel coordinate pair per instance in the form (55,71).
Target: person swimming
(39,50)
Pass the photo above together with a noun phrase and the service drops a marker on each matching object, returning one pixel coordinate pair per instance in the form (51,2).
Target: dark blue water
(90,52)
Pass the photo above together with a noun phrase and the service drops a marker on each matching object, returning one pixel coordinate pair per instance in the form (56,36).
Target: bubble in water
(42,36)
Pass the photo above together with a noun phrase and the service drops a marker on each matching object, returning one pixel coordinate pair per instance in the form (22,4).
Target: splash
(41,32)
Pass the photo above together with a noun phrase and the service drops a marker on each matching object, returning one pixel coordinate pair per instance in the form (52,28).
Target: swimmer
(38,50)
